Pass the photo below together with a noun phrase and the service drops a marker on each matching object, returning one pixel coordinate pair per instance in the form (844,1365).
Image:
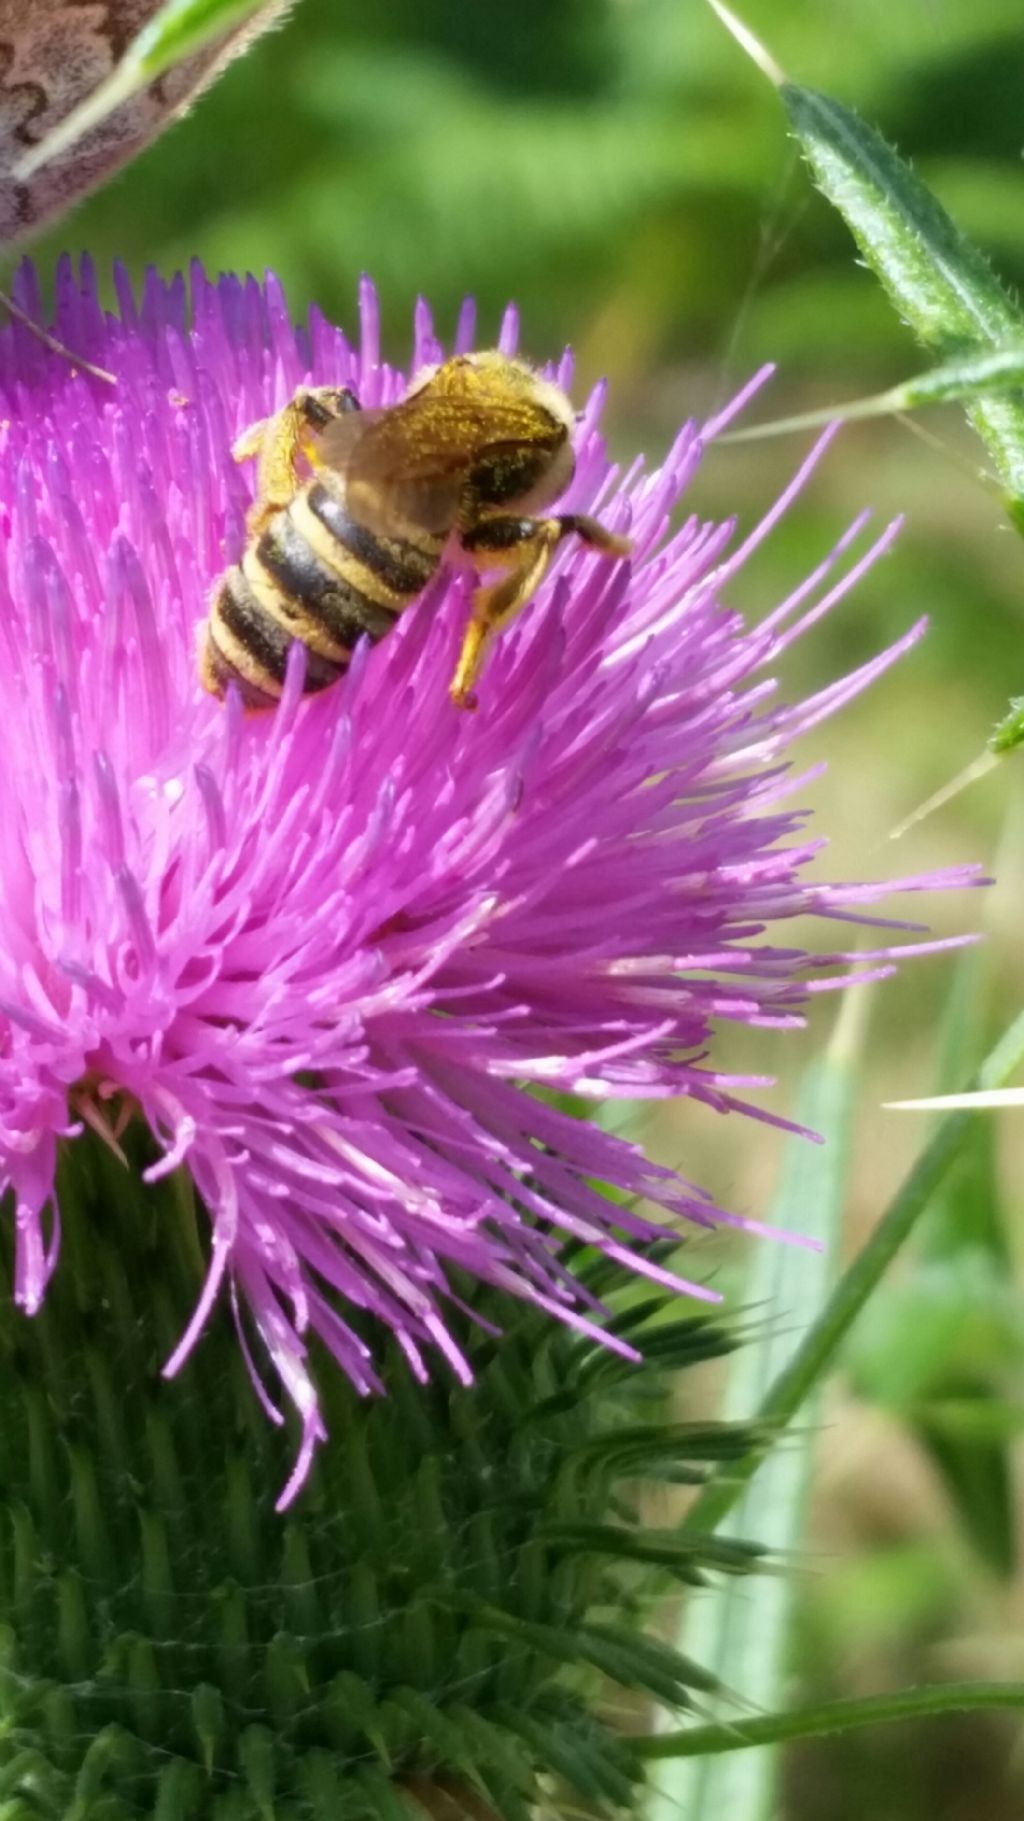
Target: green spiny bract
(435,1625)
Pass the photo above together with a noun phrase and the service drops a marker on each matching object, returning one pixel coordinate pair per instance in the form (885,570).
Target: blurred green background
(621,170)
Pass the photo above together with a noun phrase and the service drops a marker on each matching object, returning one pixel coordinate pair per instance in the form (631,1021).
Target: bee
(355,508)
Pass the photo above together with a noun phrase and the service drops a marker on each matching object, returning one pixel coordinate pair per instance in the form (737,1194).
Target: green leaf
(1009,734)
(940,284)
(935,277)
(742,1633)
(831,1717)
(178,30)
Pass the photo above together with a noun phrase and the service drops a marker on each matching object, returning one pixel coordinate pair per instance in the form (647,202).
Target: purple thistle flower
(325,951)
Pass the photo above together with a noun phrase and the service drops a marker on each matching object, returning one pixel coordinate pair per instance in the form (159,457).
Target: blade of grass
(742,1635)
(817,1351)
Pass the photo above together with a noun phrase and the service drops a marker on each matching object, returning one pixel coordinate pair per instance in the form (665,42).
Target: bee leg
(591,532)
(527,544)
(280,443)
(248,445)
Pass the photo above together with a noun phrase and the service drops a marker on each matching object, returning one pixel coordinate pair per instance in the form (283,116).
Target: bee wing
(411,460)
(387,478)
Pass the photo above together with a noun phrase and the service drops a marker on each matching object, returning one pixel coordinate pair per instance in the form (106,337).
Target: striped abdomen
(313,574)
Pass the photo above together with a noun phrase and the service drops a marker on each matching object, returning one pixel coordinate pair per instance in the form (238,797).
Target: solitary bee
(354,508)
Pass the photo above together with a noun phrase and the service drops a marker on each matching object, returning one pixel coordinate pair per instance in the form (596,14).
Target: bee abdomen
(402,566)
(316,575)
(335,600)
(248,645)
